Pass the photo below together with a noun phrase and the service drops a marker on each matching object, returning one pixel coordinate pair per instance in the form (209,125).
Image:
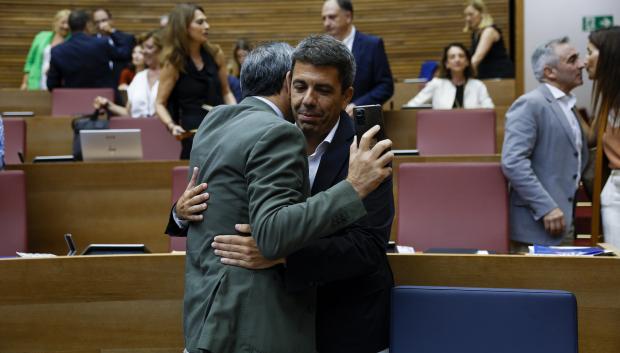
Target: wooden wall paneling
(15,100)
(413,31)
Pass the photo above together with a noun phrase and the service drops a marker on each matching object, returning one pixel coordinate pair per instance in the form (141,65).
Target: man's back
(255,165)
(81,62)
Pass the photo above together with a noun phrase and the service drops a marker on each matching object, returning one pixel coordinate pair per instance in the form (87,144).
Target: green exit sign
(592,23)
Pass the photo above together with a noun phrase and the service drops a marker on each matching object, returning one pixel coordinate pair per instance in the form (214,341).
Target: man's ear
(348,95)
(287,82)
(549,72)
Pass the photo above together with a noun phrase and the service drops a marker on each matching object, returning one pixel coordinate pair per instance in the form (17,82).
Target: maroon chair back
(179,183)
(453,205)
(456,132)
(14,140)
(77,101)
(13,232)
(157,142)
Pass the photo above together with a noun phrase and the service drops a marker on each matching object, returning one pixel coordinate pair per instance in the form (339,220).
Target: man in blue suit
(373,77)
(121,41)
(82,61)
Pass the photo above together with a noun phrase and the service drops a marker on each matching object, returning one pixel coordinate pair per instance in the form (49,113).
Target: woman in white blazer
(454,88)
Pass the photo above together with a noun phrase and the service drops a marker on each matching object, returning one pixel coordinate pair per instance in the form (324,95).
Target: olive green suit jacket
(256,168)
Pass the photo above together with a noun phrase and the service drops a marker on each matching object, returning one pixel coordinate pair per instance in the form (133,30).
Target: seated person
(142,91)
(136,65)
(455,87)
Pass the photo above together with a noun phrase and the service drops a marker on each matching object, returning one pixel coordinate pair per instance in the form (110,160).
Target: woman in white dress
(455,87)
(142,91)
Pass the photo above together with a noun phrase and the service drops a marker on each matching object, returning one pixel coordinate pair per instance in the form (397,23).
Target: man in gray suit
(545,150)
(255,164)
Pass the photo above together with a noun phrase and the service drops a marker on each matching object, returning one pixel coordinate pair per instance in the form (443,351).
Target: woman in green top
(38,60)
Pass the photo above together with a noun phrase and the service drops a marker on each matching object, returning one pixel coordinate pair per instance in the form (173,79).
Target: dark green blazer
(256,168)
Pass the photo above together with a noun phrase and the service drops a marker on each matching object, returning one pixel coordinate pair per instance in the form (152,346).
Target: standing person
(121,41)
(240,52)
(455,87)
(142,92)
(603,56)
(82,61)
(545,150)
(255,162)
(353,302)
(38,59)
(489,58)
(373,78)
(193,76)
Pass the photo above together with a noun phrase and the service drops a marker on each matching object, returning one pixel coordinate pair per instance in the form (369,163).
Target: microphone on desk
(70,244)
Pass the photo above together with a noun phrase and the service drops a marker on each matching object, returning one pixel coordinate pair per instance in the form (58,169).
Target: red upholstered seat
(14,139)
(456,132)
(13,233)
(453,205)
(157,142)
(77,101)
(179,183)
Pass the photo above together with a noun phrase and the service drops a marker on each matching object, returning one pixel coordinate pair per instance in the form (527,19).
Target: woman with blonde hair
(193,77)
(38,59)
(489,58)
(603,66)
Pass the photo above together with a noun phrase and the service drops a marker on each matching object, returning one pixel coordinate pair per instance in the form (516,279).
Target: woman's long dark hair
(606,91)
(444,72)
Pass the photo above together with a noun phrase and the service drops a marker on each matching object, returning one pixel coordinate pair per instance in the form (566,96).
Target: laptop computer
(111,144)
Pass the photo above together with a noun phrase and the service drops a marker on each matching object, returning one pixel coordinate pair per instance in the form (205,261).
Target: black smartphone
(367,116)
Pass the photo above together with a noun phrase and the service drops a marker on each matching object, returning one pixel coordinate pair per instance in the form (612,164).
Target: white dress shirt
(314,160)
(567,103)
(142,96)
(348,40)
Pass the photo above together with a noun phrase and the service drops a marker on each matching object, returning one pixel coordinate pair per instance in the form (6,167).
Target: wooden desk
(98,202)
(133,304)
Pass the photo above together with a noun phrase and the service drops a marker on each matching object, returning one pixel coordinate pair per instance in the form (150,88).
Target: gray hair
(324,50)
(545,56)
(264,70)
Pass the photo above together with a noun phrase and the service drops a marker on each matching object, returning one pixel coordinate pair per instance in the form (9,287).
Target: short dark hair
(264,70)
(346,5)
(324,50)
(104,10)
(78,19)
(444,72)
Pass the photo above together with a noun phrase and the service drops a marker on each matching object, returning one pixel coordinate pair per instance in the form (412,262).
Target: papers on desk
(568,250)
(400,249)
(29,255)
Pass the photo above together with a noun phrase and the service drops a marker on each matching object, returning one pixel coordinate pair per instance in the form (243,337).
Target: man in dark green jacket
(256,167)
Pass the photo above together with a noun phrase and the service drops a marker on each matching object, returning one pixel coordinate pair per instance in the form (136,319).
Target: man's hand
(349,109)
(554,222)
(368,167)
(241,251)
(191,204)
(106,27)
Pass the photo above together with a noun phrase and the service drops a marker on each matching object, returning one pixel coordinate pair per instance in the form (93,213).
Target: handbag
(98,120)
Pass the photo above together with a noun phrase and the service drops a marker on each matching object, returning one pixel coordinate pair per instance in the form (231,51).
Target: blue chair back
(481,320)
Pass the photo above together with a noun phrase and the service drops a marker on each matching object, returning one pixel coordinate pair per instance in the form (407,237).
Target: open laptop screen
(111,144)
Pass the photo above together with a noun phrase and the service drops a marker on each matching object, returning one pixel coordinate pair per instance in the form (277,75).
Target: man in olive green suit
(255,164)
